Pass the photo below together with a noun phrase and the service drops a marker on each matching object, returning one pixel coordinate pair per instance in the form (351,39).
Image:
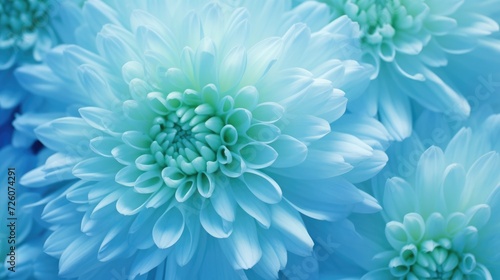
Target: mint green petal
(454,186)
(131,203)
(428,179)
(486,178)
(399,198)
(168,228)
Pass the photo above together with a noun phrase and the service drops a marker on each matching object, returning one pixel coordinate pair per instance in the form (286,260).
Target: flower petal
(262,186)
(250,204)
(428,181)
(242,248)
(399,199)
(214,224)
(168,228)
(288,222)
(283,146)
(131,202)
(96,168)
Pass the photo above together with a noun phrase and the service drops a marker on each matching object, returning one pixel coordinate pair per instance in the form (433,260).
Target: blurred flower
(25,37)
(29,260)
(204,131)
(408,42)
(25,31)
(440,220)
(28,30)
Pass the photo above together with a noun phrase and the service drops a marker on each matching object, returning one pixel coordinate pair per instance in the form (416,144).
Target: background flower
(439,217)
(204,146)
(29,29)
(30,233)
(408,42)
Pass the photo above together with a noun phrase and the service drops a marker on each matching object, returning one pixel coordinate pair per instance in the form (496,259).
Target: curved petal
(250,204)
(399,199)
(214,224)
(168,228)
(322,199)
(289,224)
(262,186)
(242,247)
(429,177)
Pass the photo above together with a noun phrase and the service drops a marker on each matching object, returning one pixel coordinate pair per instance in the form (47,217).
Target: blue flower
(409,42)
(440,217)
(25,37)
(203,131)
(28,30)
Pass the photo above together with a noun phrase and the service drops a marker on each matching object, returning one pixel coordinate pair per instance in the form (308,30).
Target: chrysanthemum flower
(407,41)
(440,219)
(203,133)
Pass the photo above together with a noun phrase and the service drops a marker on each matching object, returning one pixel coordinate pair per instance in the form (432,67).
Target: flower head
(440,218)
(408,42)
(28,30)
(24,28)
(199,134)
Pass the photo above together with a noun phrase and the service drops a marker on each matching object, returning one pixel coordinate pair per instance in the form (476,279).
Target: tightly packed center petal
(438,248)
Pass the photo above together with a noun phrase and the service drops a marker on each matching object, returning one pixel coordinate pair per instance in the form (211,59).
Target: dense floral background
(250,139)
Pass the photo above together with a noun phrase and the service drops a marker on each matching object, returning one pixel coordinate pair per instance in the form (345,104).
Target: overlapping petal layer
(409,42)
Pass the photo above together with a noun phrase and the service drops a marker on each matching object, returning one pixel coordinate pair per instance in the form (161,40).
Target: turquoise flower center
(197,137)
(386,24)
(432,259)
(21,17)
(438,248)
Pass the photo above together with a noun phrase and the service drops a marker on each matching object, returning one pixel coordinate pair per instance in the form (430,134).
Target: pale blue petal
(287,221)
(242,247)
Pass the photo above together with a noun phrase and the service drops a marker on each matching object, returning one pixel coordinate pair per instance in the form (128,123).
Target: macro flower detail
(199,135)
(408,42)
